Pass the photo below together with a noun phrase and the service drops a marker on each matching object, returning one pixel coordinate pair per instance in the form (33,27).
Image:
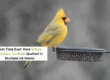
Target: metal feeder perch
(79,54)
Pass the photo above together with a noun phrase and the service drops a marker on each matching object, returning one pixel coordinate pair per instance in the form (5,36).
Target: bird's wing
(49,34)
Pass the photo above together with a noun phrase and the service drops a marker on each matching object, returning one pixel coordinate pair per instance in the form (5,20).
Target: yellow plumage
(55,32)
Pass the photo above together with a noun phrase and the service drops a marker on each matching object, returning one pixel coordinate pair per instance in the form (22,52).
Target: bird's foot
(53,49)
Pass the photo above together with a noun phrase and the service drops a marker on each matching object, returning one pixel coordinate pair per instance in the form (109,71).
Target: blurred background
(21,22)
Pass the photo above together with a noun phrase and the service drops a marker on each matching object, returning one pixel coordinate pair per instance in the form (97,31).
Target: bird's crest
(60,13)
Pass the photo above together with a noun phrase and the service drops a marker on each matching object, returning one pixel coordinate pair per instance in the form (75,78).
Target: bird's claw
(53,49)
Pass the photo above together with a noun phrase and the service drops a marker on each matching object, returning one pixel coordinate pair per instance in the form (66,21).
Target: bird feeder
(79,54)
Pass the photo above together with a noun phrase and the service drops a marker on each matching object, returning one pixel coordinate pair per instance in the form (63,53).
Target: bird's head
(61,16)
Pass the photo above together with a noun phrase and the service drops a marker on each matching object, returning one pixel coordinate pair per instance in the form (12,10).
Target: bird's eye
(64,18)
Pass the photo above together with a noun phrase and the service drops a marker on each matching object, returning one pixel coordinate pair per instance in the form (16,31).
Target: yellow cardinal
(54,33)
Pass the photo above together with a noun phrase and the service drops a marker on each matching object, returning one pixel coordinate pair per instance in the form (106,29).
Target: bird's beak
(67,20)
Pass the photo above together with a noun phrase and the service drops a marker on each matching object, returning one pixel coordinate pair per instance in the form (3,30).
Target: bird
(55,32)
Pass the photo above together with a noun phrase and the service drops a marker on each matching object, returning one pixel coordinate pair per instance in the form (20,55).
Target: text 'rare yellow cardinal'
(54,33)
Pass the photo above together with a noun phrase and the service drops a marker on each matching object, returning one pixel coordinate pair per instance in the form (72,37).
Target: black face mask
(64,18)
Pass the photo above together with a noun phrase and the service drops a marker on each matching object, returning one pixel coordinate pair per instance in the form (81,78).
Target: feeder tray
(80,54)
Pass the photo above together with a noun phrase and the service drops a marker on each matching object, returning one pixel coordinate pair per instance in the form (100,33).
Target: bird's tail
(37,44)
(26,64)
